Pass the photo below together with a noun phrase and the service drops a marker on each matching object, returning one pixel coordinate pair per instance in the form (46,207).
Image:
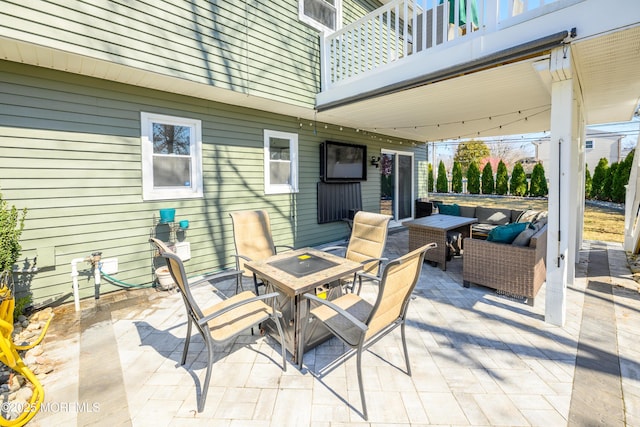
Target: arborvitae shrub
(538,187)
(599,176)
(587,183)
(487,179)
(518,185)
(607,188)
(456,178)
(442,185)
(432,184)
(502,179)
(621,179)
(473,179)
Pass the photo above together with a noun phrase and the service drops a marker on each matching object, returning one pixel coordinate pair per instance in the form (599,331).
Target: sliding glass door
(396,185)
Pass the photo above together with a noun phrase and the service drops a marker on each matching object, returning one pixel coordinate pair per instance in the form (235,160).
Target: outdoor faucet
(94,258)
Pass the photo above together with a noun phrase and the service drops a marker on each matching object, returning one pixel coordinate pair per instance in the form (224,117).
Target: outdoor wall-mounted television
(341,162)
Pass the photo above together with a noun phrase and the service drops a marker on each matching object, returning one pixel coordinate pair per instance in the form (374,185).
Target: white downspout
(74,276)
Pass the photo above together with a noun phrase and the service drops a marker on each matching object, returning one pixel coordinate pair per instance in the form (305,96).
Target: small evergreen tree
(502,179)
(442,185)
(473,178)
(538,187)
(607,187)
(518,185)
(621,179)
(432,184)
(456,178)
(487,179)
(11,226)
(599,176)
(587,183)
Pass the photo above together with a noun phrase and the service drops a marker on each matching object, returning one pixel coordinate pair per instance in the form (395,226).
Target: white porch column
(582,166)
(632,205)
(566,119)
(580,199)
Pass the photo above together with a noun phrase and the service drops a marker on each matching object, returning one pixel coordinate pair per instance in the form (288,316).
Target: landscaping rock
(13,387)
(15,382)
(24,394)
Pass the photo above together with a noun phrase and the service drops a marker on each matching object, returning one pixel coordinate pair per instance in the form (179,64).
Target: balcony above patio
(484,76)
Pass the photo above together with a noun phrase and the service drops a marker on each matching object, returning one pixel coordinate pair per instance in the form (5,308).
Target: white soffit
(608,68)
(502,100)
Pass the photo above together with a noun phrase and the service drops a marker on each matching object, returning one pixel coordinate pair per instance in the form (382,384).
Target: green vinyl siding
(258,48)
(70,152)
(354,10)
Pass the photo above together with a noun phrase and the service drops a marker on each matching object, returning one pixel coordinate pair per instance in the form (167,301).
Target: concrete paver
(477,358)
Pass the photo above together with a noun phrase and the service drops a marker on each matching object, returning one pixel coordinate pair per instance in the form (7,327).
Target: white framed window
(280,162)
(323,15)
(589,145)
(171,157)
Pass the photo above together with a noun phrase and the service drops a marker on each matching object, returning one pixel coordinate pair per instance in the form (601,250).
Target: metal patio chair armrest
(360,274)
(379,260)
(217,313)
(334,248)
(284,246)
(350,317)
(216,277)
(370,276)
(238,256)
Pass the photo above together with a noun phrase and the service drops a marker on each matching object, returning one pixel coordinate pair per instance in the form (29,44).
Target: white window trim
(317,25)
(293,154)
(148,190)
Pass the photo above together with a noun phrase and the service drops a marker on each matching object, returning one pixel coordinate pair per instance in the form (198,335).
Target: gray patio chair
(224,320)
(253,241)
(358,323)
(366,244)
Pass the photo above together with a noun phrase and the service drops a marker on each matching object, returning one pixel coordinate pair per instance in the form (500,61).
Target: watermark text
(53,407)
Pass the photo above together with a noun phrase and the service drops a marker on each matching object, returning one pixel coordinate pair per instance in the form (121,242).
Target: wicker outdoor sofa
(516,268)
(518,271)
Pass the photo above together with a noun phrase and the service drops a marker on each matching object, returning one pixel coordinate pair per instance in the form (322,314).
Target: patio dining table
(293,274)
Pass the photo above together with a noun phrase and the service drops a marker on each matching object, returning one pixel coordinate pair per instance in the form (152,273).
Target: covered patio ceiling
(505,99)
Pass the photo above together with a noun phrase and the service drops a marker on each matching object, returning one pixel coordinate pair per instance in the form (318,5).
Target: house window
(324,15)
(171,157)
(280,162)
(589,145)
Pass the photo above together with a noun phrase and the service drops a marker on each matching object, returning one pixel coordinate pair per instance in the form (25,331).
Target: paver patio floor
(478,358)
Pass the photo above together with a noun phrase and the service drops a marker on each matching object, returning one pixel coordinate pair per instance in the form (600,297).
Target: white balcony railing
(406,27)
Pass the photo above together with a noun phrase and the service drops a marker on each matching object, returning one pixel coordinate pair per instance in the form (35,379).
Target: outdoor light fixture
(375,161)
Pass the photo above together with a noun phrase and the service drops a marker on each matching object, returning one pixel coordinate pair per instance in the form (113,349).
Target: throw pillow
(524,237)
(449,209)
(528,216)
(507,233)
(540,221)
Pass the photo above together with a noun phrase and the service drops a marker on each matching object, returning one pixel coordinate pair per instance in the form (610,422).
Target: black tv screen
(342,162)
